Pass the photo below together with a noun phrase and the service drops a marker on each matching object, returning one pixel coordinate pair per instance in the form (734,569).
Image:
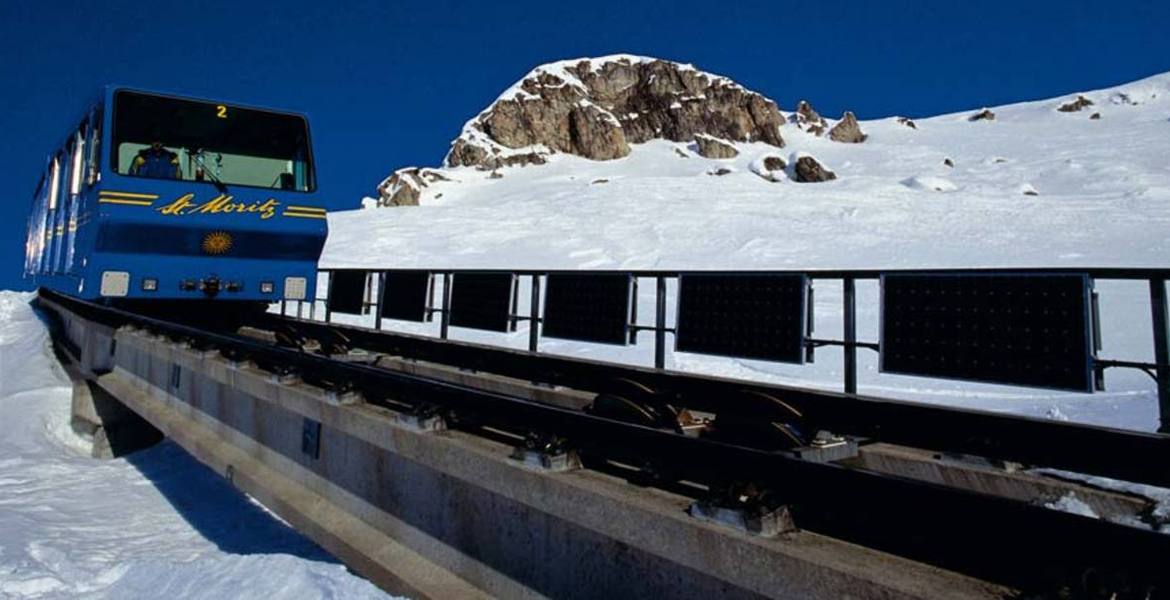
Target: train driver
(156,161)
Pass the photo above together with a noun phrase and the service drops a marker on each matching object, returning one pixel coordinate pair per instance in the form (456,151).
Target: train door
(36,233)
(90,176)
(65,202)
(75,177)
(54,194)
(42,214)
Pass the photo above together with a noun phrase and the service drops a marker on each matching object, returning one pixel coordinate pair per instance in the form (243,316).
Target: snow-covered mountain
(596,108)
(1033,186)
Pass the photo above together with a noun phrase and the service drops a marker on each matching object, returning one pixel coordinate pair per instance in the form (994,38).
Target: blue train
(161,197)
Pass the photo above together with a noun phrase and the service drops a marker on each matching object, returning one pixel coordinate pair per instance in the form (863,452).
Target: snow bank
(156,524)
(1069,503)
(928,183)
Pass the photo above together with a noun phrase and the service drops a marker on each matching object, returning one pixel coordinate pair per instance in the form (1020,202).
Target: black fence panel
(347,291)
(743,315)
(482,301)
(1029,330)
(404,295)
(588,307)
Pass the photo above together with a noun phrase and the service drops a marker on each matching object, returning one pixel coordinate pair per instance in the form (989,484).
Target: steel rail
(995,538)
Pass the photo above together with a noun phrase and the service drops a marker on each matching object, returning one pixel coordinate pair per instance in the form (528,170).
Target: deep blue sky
(389,84)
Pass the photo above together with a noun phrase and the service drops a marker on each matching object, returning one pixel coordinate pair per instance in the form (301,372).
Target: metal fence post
(1161,324)
(430,306)
(633,338)
(534,315)
(849,304)
(328,297)
(380,298)
(660,323)
(369,297)
(514,304)
(445,319)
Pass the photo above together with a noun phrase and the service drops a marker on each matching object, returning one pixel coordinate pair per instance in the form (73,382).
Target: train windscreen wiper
(197,156)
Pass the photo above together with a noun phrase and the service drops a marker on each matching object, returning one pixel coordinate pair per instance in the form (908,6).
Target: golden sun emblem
(217,242)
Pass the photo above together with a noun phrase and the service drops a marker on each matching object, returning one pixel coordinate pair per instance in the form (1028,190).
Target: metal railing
(1159,370)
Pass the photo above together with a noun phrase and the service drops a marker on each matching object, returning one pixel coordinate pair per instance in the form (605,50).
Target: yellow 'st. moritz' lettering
(221,204)
(179,207)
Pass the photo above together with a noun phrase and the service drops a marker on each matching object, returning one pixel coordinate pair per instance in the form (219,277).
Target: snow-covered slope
(1101,198)
(156,524)
(1104,180)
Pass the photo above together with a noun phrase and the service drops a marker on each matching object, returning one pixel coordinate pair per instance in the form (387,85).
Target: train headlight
(267,287)
(115,284)
(149,284)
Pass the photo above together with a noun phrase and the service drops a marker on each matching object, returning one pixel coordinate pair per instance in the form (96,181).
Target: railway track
(1120,454)
(1028,547)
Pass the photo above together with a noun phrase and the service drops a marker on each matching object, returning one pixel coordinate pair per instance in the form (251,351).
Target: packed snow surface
(156,524)
(1034,188)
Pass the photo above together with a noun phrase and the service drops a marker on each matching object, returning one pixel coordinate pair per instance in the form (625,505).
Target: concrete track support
(437,513)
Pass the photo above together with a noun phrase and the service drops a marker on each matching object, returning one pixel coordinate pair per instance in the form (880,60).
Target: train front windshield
(169,138)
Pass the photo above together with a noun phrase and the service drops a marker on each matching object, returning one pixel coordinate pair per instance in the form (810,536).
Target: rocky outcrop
(808,170)
(405,186)
(848,130)
(465,153)
(596,108)
(1123,99)
(712,147)
(1076,105)
(807,118)
(983,115)
(770,167)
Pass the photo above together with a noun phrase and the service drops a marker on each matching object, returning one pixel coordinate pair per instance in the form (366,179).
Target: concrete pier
(443,513)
